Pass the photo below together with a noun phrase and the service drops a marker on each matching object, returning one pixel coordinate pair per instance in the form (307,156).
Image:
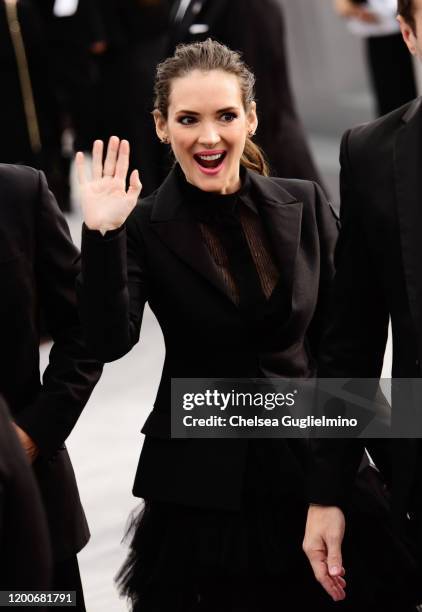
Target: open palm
(105,202)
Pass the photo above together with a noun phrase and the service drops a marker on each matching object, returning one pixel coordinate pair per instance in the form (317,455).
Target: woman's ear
(160,126)
(252,119)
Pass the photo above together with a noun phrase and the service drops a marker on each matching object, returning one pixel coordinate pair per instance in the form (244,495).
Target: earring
(251,133)
(164,140)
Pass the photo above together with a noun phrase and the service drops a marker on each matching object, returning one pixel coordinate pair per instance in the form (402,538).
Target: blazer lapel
(281,214)
(177,229)
(408,181)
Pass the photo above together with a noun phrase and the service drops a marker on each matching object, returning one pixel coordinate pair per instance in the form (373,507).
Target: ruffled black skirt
(194,559)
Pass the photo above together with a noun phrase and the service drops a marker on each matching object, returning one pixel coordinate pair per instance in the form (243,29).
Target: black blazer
(38,267)
(167,263)
(25,553)
(378,263)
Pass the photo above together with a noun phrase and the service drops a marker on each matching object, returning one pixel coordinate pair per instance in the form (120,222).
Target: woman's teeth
(210,161)
(211,157)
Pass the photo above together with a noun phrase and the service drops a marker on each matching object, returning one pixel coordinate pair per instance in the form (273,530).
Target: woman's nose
(209,136)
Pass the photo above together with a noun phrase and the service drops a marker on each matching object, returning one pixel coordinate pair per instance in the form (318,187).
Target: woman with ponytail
(236,267)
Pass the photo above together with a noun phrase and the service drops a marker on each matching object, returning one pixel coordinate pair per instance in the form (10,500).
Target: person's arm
(112,288)
(354,338)
(353,346)
(72,372)
(328,226)
(354,10)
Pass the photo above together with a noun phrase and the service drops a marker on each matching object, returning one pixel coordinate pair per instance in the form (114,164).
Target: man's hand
(28,444)
(322,545)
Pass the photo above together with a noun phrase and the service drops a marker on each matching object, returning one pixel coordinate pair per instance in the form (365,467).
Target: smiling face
(207,126)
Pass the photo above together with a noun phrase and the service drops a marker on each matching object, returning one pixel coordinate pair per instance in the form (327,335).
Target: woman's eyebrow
(227,109)
(217,112)
(187,112)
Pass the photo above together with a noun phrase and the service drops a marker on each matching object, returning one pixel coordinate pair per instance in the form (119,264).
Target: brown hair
(405,9)
(206,56)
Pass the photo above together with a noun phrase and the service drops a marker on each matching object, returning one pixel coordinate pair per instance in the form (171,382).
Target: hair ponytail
(253,158)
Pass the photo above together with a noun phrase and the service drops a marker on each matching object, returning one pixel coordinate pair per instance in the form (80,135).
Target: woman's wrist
(103,228)
(91,231)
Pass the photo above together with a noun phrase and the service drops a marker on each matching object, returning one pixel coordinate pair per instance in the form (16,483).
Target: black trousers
(391,72)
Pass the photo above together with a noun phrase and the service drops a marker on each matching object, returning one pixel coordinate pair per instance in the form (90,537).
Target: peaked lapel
(178,230)
(408,182)
(281,215)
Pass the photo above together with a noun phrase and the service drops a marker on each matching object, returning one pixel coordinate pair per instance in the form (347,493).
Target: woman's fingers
(340,582)
(135,186)
(111,157)
(122,164)
(80,167)
(97,159)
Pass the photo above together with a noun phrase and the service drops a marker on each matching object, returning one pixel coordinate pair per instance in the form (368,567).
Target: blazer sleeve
(113,289)
(327,227)
(354,340)
(72,372)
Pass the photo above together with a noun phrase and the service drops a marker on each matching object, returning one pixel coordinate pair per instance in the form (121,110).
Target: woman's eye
(227,117)
(186,120)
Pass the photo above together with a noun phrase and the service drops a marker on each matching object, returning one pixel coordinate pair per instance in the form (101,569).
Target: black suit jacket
(25,554)
(38,267)
(378,262)
(81,29)
(166,262)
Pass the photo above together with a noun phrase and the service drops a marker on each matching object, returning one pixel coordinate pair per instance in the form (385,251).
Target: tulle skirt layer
(183,558)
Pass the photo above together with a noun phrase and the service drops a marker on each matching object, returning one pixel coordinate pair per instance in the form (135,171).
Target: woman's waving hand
(106,203)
